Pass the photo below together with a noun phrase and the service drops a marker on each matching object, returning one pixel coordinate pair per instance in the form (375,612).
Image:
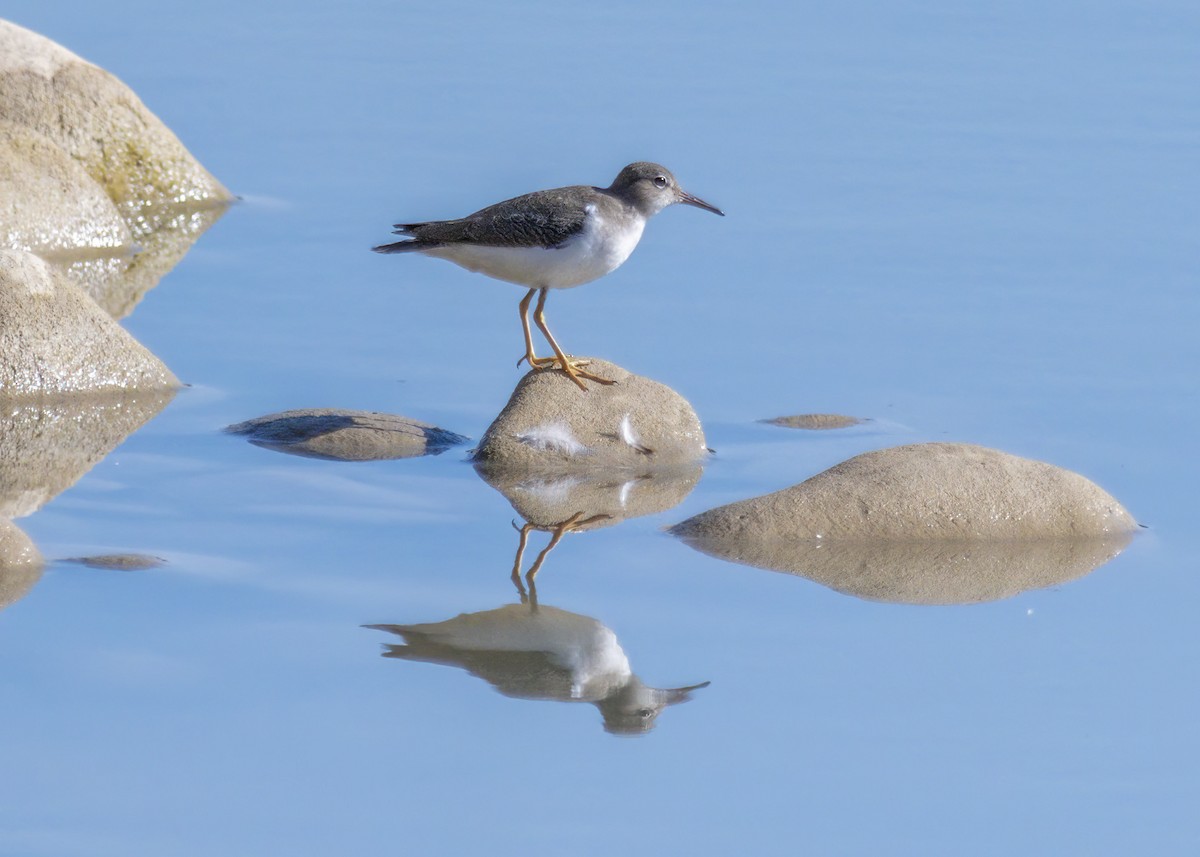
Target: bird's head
(652,187)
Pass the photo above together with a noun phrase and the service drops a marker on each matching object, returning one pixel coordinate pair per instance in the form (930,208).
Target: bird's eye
(660,181)
(644,713)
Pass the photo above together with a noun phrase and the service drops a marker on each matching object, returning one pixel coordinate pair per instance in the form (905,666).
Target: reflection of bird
(552,239)
(541,653)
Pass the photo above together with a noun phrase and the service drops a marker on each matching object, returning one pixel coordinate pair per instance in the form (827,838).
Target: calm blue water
(967,224)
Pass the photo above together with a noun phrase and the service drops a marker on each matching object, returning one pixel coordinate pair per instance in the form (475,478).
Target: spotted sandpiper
(552,239)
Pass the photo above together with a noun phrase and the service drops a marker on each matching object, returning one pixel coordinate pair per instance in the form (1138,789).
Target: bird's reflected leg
(570,525)
(573,368)
(520,557)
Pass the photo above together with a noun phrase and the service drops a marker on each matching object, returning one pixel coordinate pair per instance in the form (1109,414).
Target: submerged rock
(101,123)
(119,561)
(342,435)
(927,523)
(54,339)
(634,425)
(815,422)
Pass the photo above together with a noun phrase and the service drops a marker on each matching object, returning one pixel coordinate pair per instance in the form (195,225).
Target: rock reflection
(538,652)
(589,500)
(118,282)
(46,446)
(20,563)
(924,572)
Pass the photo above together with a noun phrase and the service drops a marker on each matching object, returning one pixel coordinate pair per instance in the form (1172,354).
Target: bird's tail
(407,246)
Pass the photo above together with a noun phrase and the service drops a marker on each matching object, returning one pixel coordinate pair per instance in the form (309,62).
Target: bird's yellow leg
(573,368)
(531,358)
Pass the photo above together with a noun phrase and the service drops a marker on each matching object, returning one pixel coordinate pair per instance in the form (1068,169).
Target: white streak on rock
(553,437)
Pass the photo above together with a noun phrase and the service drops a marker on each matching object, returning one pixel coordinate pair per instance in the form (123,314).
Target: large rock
(50,204)
(926,491)
(635,425)
(100,122)
(342,435)
(54,339)
(929,523)
(46,446)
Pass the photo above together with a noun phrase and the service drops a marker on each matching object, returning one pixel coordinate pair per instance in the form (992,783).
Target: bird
(552,239)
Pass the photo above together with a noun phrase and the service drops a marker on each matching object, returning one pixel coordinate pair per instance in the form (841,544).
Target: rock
(814,422)
(119,561)
(929,523)
(47,446)
(342,435)
(594,500)
(50,202)
(633,426)
(926,491)
(20,563)
(54,339)
(99,121)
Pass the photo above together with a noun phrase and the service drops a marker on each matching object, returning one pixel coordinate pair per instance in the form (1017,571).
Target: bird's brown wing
(547,218)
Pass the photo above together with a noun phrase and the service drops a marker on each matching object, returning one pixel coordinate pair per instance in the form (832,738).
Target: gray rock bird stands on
(552,239)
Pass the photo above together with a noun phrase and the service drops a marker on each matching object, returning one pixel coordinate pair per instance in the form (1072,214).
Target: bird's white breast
(595,251)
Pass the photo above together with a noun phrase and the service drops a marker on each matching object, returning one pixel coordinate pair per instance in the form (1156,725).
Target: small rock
(341,435)
(635,425)
(814,422)
(55,339)
(119,561)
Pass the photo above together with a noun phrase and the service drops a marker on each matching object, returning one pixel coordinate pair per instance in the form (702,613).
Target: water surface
(968,225)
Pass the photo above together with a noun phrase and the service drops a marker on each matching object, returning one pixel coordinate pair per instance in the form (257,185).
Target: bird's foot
(544,362)
(576,372)
(571,366)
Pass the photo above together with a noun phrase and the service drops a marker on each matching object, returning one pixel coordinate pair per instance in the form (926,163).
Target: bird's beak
(688,199)
(682,694)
